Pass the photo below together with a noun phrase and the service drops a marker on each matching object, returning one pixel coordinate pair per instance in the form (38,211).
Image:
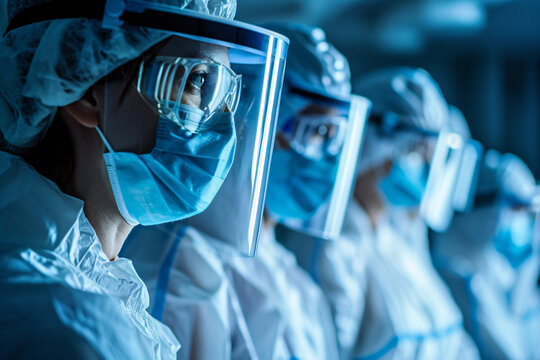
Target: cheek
(282,142)
(136,125)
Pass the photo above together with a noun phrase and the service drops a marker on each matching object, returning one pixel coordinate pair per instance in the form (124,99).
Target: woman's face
(128,122)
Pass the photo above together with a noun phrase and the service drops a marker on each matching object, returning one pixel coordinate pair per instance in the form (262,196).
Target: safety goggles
(169,83)
(316,136)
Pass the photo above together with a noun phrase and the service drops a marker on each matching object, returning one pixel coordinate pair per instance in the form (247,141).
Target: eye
(196,80)
(322,130)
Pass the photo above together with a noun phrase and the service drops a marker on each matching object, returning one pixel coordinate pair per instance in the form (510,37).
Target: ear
(86,110)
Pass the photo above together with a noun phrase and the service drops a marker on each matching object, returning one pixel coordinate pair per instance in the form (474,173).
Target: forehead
(181,47)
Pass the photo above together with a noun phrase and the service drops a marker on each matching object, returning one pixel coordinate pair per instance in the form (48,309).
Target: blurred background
(485,54)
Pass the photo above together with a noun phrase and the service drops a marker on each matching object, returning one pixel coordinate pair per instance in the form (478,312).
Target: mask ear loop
(102,136)
(105,112)
(118,196)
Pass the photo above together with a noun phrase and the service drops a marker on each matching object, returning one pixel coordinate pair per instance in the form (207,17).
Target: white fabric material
(388,302)
(287,313)
(501,304)
(186,279)
(341,272)
(61,296)
(225,306)
(409,224)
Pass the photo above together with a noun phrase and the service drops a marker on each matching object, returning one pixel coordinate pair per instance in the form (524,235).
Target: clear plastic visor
(235,215)
(437,206)
(443,155)
(467,178)
(198,87)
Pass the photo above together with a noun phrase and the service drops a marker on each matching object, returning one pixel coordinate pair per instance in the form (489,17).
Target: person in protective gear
(224,304)
(419,189)
(108,119)
(387,299)
(490,260)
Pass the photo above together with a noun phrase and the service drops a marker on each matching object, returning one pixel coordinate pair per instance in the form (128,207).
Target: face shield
(250,89)
(411,150)
(424,170)
(314,164)
(437,207)
(189,90)
(536,212)
(467,179)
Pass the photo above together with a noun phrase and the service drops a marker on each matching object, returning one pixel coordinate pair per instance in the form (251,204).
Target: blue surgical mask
(298,186)
(178,178)
(405,184)
(514,236)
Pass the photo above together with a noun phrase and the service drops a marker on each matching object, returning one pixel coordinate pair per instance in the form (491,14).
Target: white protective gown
(190,292)
(387,300)
(225,306)
(500,304)
(61,296)
(409,224)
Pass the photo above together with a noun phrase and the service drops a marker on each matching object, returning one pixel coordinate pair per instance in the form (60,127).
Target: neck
(91,184)
(111,228)
(267,221)
(367,194)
